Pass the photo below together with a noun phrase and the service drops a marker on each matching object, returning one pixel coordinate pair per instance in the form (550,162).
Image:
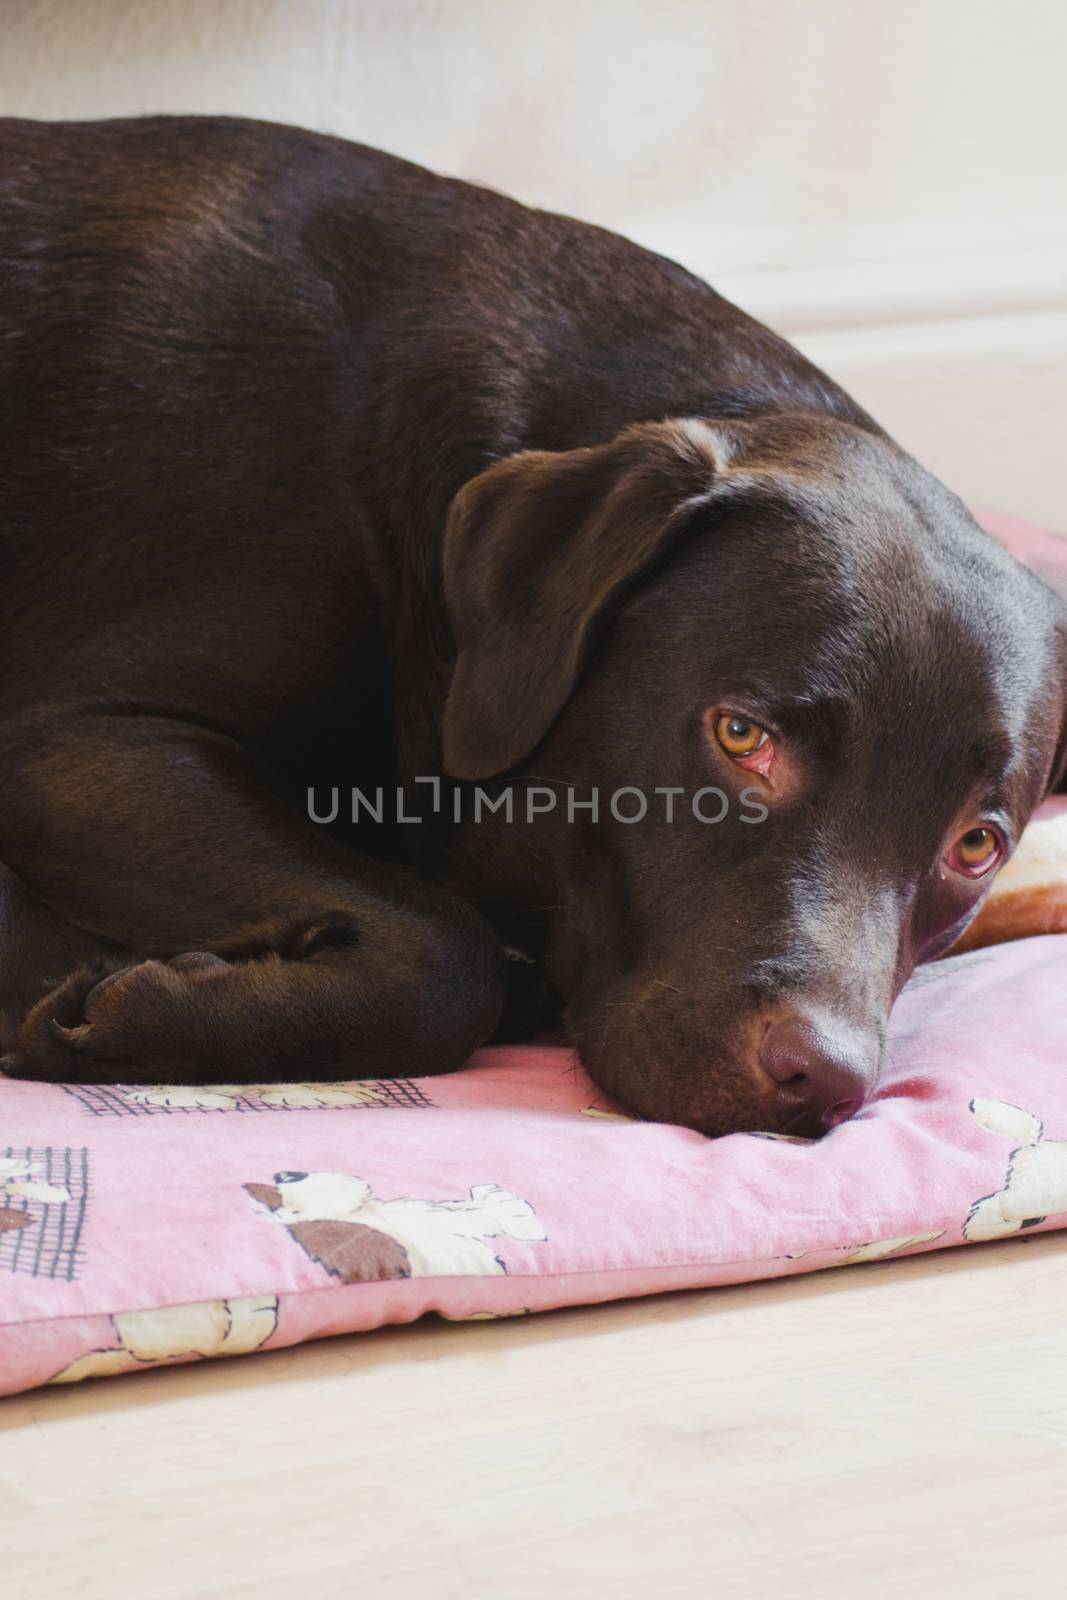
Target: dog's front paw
(41,1046)
(92,1028)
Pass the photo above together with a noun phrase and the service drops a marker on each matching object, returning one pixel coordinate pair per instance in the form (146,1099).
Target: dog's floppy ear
(540,550)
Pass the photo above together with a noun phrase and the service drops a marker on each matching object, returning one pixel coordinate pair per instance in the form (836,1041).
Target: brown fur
(316,468)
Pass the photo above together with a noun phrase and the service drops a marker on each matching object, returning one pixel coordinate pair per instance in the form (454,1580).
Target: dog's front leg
(263,949)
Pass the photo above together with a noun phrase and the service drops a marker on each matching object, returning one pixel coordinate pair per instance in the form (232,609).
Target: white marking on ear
(711,442)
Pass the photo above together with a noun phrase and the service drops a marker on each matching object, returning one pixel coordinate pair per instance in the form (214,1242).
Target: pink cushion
(154,1225)
(139,1226)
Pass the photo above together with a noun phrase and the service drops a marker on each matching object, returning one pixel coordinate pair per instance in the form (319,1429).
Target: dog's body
(253,385)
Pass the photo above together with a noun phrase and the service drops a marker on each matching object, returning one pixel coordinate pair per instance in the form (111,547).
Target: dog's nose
(825,1072)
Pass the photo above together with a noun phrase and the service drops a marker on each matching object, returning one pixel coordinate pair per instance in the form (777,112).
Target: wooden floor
(890,1430)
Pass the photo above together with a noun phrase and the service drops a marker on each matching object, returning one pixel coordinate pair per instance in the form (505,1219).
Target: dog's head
(793,613)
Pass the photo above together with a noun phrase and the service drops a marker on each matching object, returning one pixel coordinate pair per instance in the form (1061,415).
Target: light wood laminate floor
(895,1429)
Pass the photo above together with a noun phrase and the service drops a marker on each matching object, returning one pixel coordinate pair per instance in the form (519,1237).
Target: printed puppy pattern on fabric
(345,1228)
(210,1232)
(43,1196)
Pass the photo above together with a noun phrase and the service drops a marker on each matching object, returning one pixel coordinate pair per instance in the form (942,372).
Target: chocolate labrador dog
(321,475)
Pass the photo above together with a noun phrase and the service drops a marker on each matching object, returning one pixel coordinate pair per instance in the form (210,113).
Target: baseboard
(903,289)
(981,399)
(954,340)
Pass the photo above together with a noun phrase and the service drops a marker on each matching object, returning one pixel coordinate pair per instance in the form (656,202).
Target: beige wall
(884,179)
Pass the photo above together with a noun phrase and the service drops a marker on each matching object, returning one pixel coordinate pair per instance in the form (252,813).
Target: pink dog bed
(140,1226)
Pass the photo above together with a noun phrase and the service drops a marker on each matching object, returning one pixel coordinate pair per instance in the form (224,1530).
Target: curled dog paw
(40,1047)
(92,1027)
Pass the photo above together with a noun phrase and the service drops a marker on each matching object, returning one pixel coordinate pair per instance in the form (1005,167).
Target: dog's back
(299,443)
(243,371)
(180,396)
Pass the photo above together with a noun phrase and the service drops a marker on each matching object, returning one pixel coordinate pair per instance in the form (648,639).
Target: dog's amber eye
(976,852)
(740,737)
